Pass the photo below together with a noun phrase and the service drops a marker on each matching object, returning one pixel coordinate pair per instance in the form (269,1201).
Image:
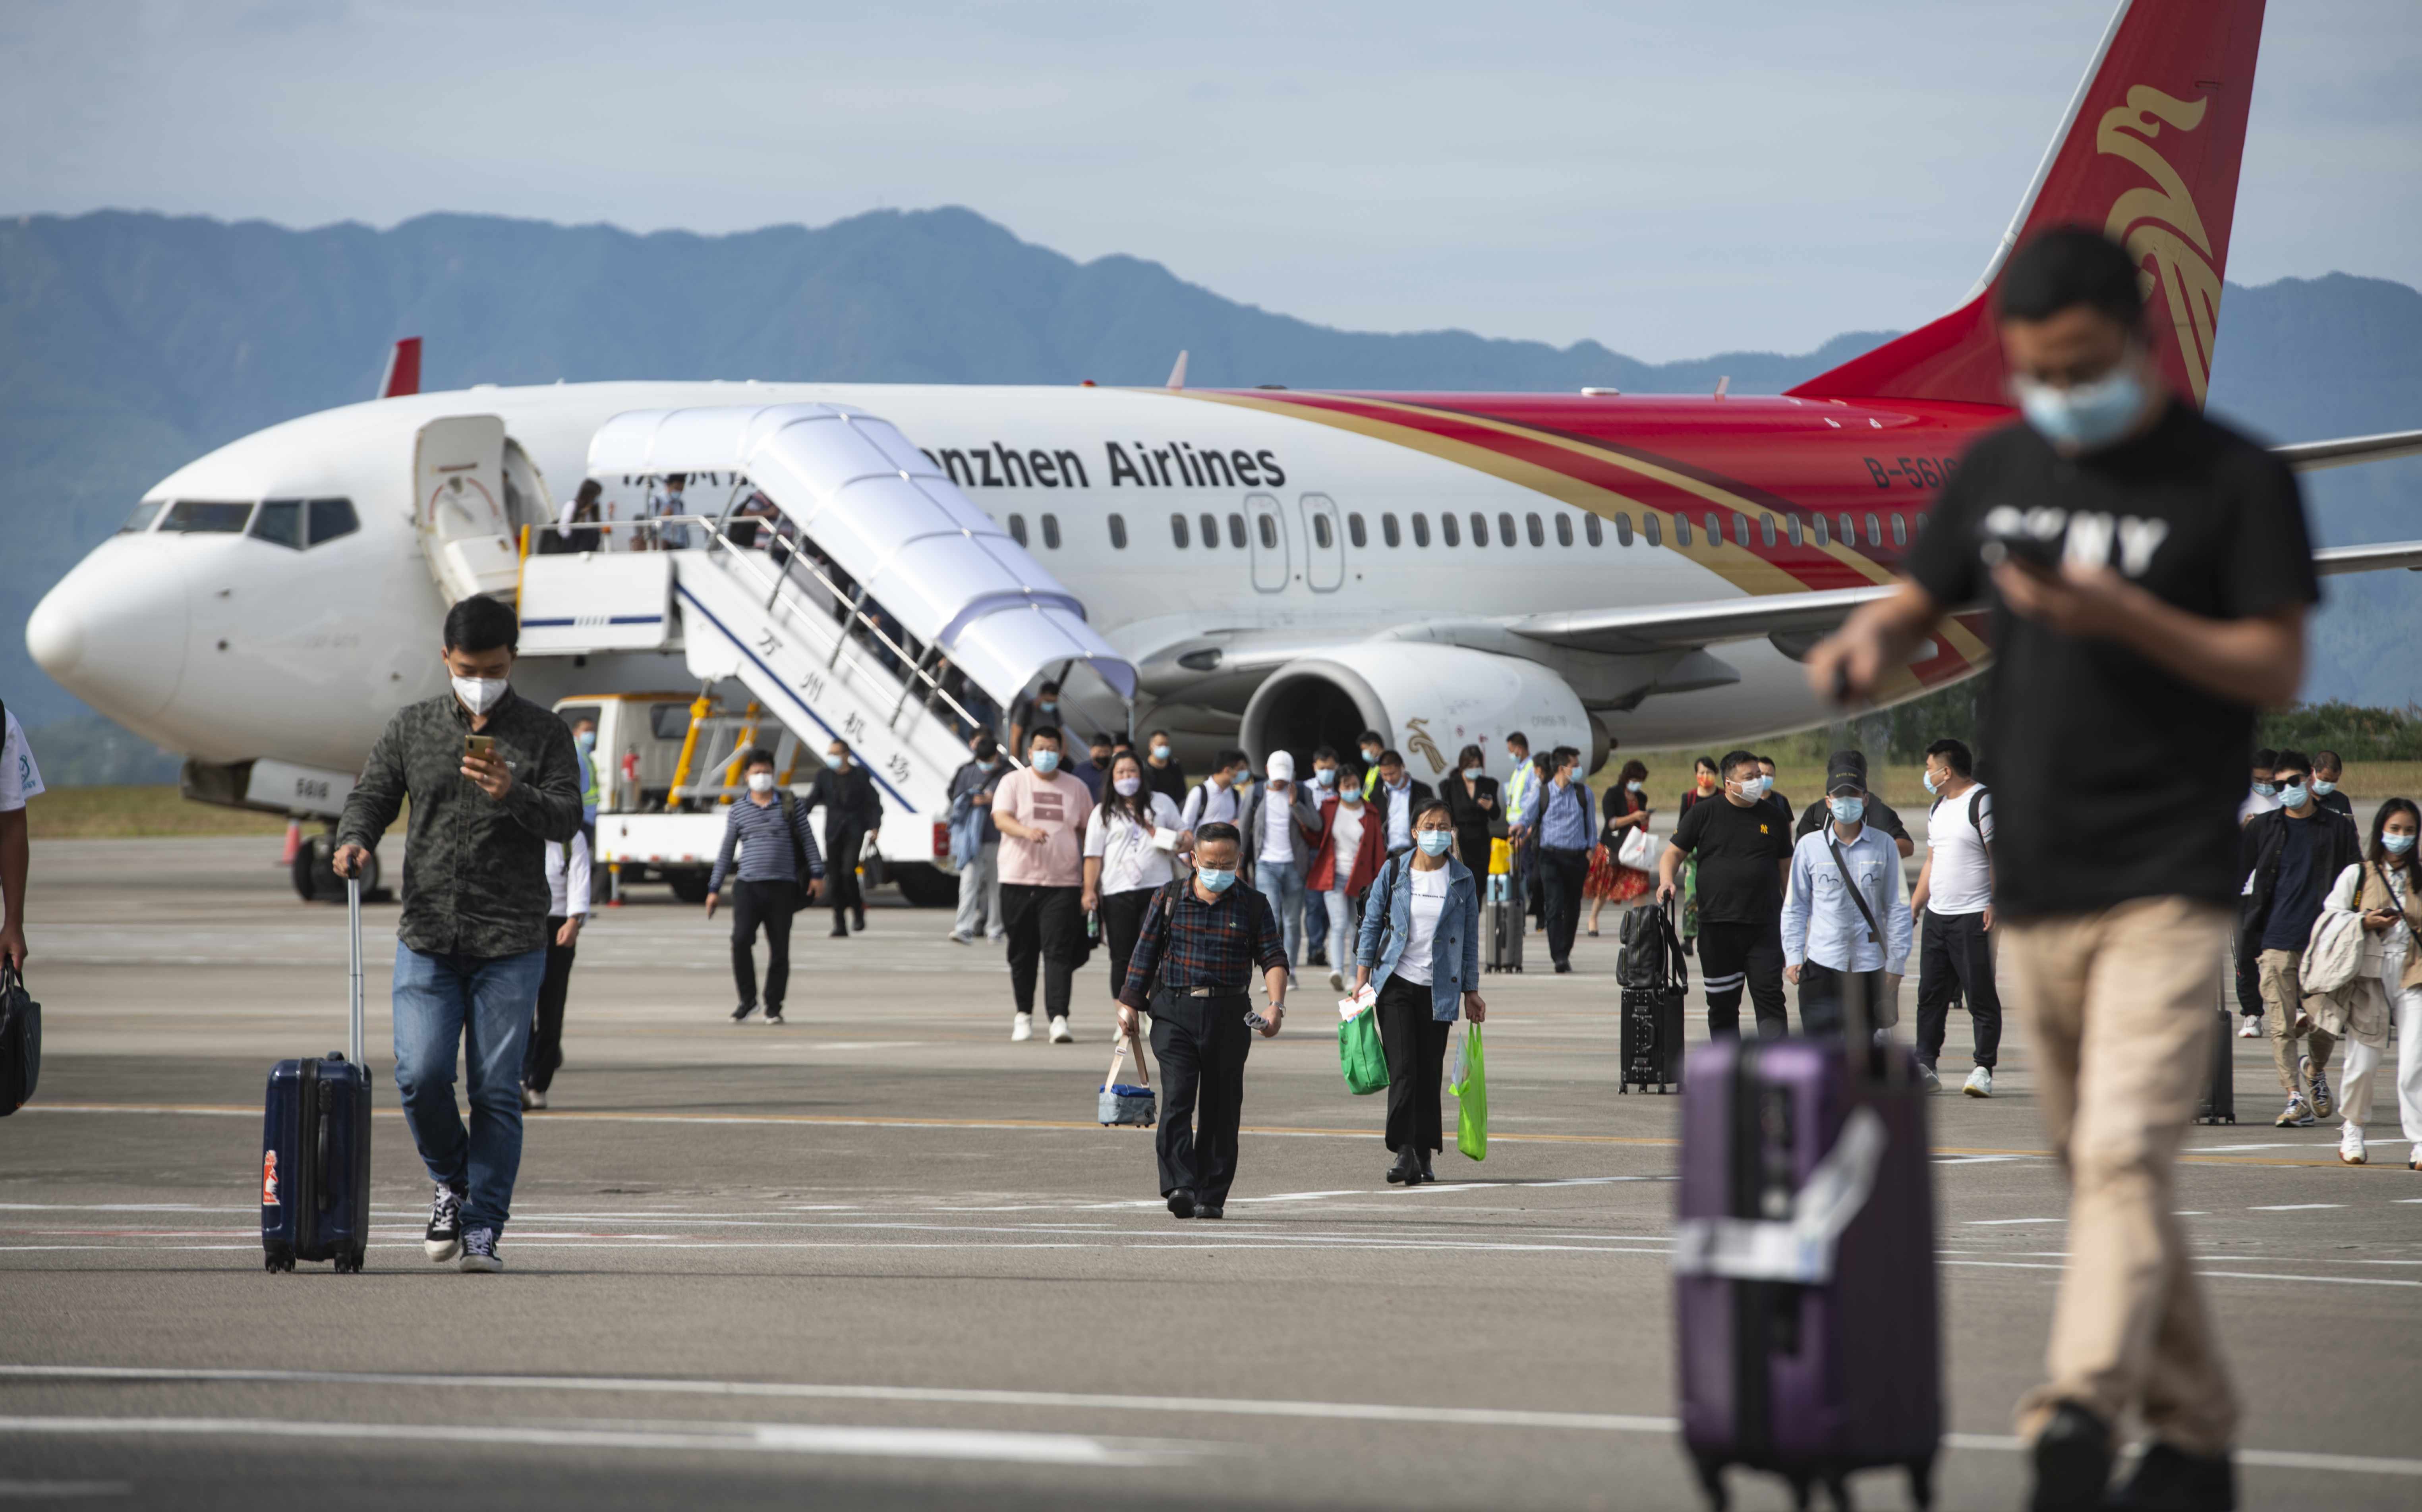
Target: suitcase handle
(353,930)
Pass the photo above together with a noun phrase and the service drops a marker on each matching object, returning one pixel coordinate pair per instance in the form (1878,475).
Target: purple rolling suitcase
(1804,1275)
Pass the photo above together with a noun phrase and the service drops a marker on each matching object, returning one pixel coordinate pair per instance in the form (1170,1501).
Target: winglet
(1178,374)
(403,369)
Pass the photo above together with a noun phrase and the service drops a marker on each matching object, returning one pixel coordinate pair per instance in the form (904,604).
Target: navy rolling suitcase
(1655,980)
(315,1145)
(1804,1270)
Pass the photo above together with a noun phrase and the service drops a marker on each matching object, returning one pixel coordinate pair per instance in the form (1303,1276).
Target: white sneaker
(957,938)
(533,1099)
(1336,981)
(1979,1083)
(2351,1148)
(2252,1029)
(1927,1079)
(1060,1032)
(1021,1029)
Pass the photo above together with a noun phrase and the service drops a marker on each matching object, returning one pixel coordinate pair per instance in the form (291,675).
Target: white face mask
(761,781)
(1129,786)
(480,693)
(838,761)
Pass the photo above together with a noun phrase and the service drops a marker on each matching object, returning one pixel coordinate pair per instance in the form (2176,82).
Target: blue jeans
(1315,921)
(1282,882)
(483,1005)
(1342,918)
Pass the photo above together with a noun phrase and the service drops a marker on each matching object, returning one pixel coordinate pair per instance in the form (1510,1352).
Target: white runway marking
(2004,1222)
(2295,1208)
(763,1438)
(1200,1406)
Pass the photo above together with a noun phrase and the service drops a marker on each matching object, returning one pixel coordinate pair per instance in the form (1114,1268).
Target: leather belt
(1214,992)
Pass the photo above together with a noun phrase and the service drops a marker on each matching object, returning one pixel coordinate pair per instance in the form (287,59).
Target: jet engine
(1427,700)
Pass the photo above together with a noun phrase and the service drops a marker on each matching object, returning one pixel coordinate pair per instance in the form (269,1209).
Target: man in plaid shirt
(1192,971)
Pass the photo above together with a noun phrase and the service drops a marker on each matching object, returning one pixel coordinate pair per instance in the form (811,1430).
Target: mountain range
(131,343)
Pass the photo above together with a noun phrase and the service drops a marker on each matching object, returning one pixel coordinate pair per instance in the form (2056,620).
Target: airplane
(1268,568)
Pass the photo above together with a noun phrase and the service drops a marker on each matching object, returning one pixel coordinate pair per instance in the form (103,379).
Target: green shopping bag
(1360,1055)
(1471,1089)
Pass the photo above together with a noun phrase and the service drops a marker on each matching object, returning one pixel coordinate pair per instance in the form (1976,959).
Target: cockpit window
(141,519)
(195,517)
(331,518)
(280,520)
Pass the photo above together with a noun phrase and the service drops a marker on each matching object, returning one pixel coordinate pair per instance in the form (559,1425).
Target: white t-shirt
(1130,858)
(1428,902)
(1210,804)
(1277,815)
(2255,803)
(20,779)
(1346,842)
(1956,832)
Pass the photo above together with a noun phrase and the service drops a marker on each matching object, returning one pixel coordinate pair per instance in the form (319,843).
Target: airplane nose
(113,631)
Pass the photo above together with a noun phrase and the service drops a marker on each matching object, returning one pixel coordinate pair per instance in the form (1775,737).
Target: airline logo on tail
(2161,224)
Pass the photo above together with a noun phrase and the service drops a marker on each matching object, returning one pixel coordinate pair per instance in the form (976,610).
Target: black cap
(1846,769)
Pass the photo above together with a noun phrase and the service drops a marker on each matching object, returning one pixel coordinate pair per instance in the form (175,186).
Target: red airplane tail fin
(2149,154)
(402,374)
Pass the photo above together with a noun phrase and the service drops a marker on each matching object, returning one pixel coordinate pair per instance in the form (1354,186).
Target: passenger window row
(295,523)
(1451,528)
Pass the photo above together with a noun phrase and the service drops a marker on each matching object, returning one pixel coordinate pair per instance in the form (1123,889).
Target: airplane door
(459,504)
(1325,551)
(1268,538)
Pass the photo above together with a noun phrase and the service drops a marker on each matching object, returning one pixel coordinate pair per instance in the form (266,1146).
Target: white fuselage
(228,647)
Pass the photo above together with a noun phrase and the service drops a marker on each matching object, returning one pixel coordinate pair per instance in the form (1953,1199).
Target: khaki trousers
(2118,1007)
(2283,993)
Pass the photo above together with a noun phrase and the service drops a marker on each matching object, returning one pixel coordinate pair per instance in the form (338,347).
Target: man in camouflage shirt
(471,950)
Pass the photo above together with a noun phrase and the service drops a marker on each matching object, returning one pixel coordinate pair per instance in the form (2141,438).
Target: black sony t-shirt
(1738,849)
(2113,779)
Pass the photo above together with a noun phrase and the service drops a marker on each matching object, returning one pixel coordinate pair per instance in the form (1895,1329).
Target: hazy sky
(1670,178)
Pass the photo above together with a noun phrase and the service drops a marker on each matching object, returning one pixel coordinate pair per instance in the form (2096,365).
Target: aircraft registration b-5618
(1271,568)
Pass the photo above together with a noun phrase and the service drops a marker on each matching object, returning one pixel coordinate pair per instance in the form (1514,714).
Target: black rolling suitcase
(1654,980)
(21,1040)
(2219,1104)
(315,1145)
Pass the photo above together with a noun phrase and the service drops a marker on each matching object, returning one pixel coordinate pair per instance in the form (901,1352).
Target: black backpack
(1651,952)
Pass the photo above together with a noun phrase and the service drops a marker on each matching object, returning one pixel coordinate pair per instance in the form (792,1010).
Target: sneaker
(2295,1116)
(2072,1461)
(1927,1079)
(533,1099)
(1060,1032)
(1021,1029)
(773,1015)
(526,1096)
(2252,1029)
(2350,1146)
(1979,1082)
(480,1252)
(2167,1479)
(1336,981)
(957,938)
(2322,1104)
(741,1014)
(444,1239)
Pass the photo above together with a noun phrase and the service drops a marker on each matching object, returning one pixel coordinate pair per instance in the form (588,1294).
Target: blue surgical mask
(2398,844)
(1634,787)
(2292,798)
(586,740)
(989,762)
(1435,841)
(1046,761)
(1325,776)
(2084,417)
(2321,789)
(1242,777)
(1931,786)
(1217,880)
(1160,752)
(2269,790)
(1472,774)
(1047,707)
(1849,811)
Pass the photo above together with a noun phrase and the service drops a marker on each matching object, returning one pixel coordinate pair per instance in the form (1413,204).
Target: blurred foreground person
(2149,574)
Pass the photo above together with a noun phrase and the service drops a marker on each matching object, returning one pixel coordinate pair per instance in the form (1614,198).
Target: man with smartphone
(493,777)
(2149,574)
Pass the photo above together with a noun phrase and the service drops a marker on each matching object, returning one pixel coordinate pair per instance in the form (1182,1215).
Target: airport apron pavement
(881,1257)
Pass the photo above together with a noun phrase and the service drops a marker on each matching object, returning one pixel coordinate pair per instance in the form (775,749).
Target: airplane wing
(1803,617)
(2309,456)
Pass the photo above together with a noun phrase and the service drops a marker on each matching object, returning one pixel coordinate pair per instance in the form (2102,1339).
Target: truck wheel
(924,885)
(688,885)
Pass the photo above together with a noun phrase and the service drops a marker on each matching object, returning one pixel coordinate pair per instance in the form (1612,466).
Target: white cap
(1280,767)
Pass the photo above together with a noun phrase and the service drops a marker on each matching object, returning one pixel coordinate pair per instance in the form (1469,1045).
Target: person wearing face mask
(2329,770)
(1042,812)
(1026,713)
(1705,782)
(1201,940)
(2388,984)
(1881,815)
(1130,840)
(1743,850)
(852,814)
(471,947)
(1766,769)
(777,867)
(2261,793)
(1625,809)
(975,843)
(1843,917)
(1472,800)
(2291,856)
(1568,818)
(1351,850)
(1395,800)
(671,533)
(1420,940)
(1953,905)
(2148,572)
(1219,799)
(1372,745)
(1161,771)
(1095,770)
(1280,825)
(584,748)
(1322,793)
(2261,796)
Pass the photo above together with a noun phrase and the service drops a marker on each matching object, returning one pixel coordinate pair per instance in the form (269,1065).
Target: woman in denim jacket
(1421,938)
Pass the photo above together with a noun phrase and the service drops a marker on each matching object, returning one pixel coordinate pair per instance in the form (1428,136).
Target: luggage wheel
(276,1265)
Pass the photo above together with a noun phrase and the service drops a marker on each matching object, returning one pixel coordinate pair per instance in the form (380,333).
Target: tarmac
(882,1257)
